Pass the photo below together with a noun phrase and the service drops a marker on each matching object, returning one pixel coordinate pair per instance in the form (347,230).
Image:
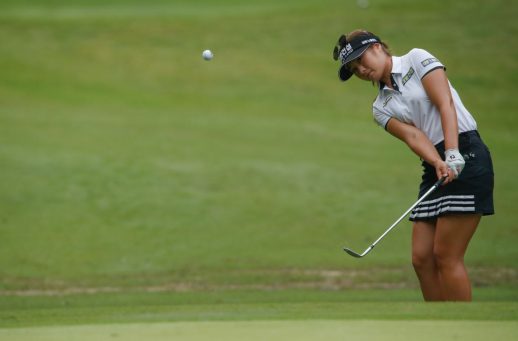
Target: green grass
(293,313)
(127,162)
(243,305)
(275,330)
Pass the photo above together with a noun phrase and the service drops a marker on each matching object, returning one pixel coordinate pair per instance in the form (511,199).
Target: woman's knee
(446,259)
(422,259)
(422,245)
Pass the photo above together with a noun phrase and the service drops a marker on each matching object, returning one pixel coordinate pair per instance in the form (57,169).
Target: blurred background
(126,160)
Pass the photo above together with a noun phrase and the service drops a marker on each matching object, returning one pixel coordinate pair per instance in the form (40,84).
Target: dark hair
(357,32)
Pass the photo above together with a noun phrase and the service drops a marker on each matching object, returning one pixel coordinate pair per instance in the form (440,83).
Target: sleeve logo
(429,61)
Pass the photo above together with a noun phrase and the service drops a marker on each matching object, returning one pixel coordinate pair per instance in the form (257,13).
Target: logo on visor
(347,49)
(345,52)
(371,40)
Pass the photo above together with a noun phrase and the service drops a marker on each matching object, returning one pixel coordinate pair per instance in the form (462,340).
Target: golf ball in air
(362,3)
(207,55)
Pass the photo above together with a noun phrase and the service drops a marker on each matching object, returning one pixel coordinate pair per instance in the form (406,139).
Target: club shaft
(406,212)
(424,196)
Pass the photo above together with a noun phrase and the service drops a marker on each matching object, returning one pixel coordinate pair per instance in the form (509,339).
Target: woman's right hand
(442,170)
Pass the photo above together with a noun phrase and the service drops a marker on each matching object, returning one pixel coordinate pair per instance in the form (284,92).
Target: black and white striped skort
(471,192)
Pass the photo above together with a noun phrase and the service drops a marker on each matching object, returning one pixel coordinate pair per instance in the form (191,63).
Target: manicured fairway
(146,194)
(367,330)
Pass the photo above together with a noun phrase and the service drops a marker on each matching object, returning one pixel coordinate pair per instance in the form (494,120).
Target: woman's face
(370,65)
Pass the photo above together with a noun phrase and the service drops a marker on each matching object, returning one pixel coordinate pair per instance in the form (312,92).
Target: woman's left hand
(455,161)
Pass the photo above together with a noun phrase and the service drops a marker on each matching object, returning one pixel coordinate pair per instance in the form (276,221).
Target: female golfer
(417,104)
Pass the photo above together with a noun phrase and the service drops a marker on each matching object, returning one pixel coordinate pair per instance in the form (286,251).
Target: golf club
(433,188)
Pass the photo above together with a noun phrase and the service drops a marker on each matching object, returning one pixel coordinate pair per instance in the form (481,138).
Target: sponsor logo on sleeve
(408,75)
(429,61)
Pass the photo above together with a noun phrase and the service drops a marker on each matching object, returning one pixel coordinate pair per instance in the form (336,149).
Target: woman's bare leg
(452,236)
(423,237)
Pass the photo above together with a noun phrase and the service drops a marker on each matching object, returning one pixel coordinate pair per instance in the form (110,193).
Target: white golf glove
(455,161)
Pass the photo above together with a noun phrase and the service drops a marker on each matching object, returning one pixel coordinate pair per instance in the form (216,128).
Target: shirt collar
(396,69)
(396,64)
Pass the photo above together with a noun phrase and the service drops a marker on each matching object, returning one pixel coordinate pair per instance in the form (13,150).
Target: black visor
(347,51)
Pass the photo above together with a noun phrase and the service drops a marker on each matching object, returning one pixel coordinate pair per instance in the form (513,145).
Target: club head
(352,253)
(358,255)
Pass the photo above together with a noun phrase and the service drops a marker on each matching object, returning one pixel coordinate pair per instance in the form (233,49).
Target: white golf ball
(207,55)
(362,3)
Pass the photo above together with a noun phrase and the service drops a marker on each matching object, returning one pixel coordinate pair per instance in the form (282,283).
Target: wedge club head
(357,255)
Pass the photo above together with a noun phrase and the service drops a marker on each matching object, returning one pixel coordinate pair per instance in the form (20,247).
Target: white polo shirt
(409,103)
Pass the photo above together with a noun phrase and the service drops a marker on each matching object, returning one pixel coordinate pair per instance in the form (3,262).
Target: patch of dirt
(264,280)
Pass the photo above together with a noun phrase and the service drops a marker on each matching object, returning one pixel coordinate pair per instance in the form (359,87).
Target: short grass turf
(127,163)
(274,330)
(492,304)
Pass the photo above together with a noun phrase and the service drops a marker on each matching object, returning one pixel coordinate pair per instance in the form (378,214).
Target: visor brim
(344,73)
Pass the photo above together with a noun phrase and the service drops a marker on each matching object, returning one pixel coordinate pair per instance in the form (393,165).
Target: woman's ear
(377,47)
